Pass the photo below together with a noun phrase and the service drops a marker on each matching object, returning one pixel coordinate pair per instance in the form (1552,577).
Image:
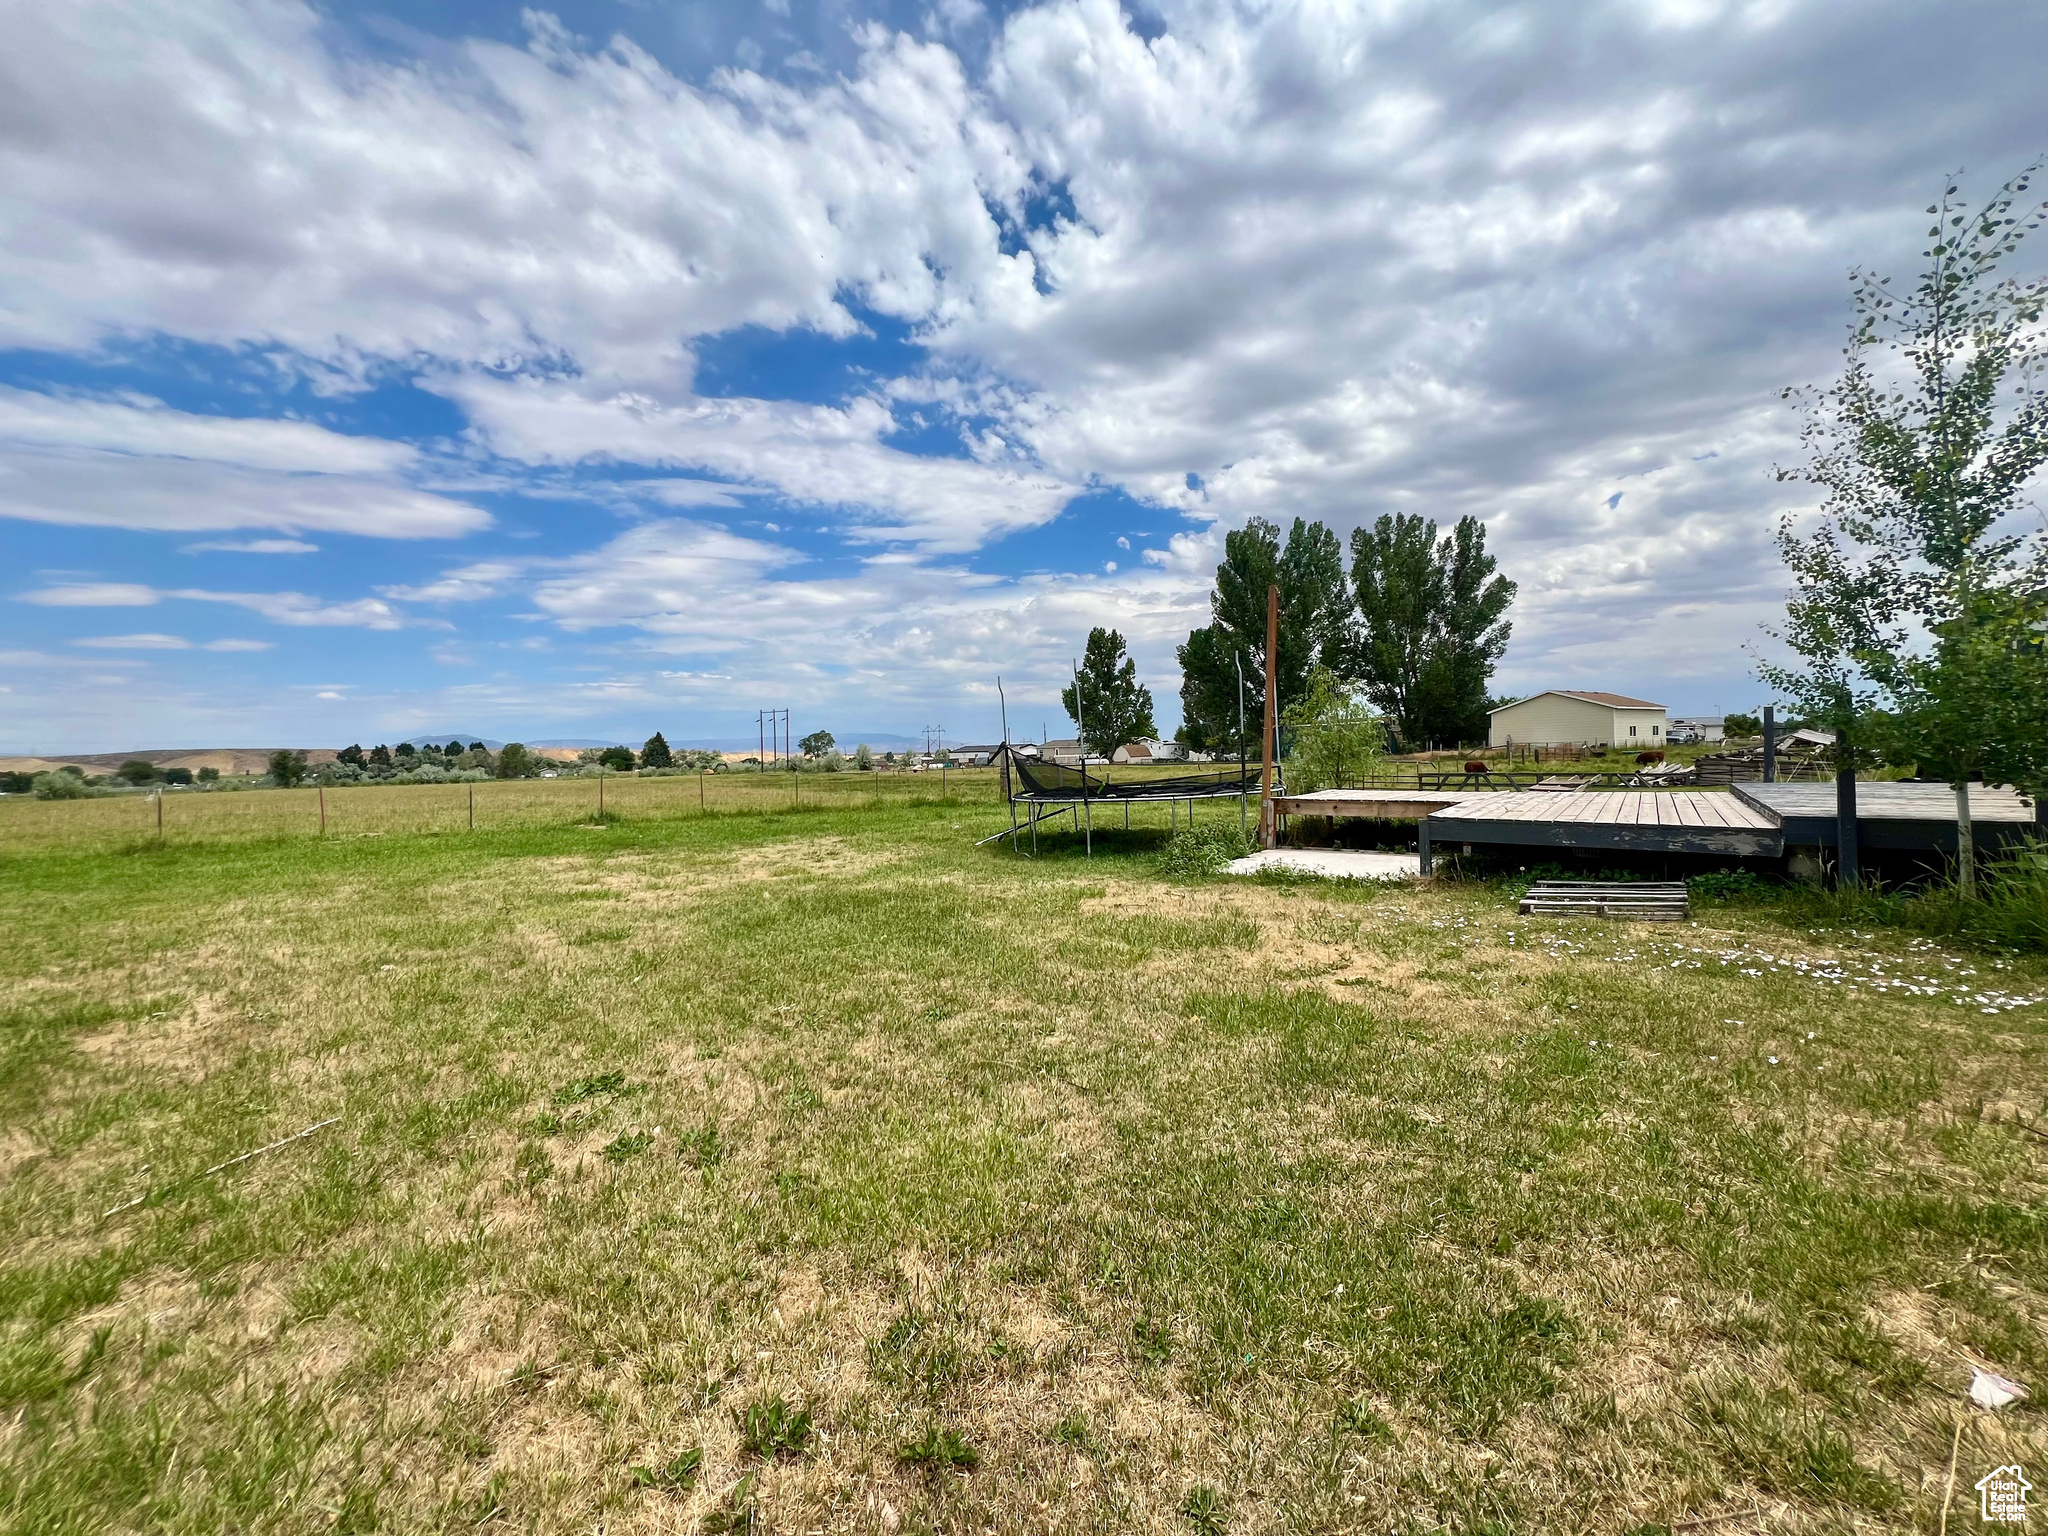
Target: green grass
(849,1157)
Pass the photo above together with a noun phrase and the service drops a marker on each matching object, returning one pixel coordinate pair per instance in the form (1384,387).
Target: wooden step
(1642,901)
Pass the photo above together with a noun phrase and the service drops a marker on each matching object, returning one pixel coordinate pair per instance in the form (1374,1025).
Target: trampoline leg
(1090,811)
(1422,847)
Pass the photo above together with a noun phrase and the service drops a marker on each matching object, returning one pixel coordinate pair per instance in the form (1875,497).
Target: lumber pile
(1647,901)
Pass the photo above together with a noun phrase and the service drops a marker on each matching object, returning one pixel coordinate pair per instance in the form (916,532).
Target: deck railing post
(1848,860)
(1422,844)
(1770,745)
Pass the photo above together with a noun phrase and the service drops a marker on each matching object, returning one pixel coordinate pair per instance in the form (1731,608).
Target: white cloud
(469,584)
(134,463)
(136,643)
(252,547)
(830,457)
(94,594)
(1279,259)
(136,424)
(293,608)
(216,171)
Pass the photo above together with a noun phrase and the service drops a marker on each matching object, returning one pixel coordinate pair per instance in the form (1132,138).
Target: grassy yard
(813,1170)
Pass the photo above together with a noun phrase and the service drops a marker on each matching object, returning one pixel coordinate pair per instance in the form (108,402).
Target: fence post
(472,807)
(320,790)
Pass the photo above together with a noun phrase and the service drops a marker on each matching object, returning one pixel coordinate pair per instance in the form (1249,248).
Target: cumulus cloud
(217,171)
(1274,260)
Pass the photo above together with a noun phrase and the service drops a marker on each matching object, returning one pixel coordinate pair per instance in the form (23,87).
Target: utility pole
(1267,832)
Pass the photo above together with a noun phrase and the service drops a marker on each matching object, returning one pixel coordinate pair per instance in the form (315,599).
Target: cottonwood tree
(515,761)
(817,744)
(1315,611)
(1915,609)
(656,754)
(1433,622)
(1108,704)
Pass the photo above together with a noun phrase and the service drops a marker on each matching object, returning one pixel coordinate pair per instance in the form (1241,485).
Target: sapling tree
(1914,618)
(1334,739)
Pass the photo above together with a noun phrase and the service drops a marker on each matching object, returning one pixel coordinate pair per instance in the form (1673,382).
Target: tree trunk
(1966,848)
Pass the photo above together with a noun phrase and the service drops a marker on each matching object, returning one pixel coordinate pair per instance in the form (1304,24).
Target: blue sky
(369,369)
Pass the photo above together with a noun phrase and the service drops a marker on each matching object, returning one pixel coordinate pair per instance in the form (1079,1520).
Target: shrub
(177,775)
(209,775)
(1204,849)
(64,784)
(287,768)
(16,783)
(136,770)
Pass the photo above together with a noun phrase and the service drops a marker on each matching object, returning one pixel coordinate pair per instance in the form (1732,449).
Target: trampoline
(1048,790)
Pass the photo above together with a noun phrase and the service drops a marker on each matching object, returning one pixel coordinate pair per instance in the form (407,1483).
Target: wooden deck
(1752,821)
(1377,804)
(1895,817)
(1651,821)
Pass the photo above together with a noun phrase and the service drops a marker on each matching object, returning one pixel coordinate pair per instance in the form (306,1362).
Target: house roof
(1611,700)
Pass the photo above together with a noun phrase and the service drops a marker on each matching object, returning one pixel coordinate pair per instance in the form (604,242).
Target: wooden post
(1848,855)
(600,789)
(1272,729)
(1966,843)
(321,791)
(472,807)
(702,775)
(1770,744)
(160,816)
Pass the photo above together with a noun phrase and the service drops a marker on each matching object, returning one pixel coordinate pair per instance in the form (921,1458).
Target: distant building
(1696,728)
(1066,752)
(1559,717)
(1149,751)
(974,757)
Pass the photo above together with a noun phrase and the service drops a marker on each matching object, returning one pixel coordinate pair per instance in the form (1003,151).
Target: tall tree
(817,744)
(1913,609)
(655,754)
(1108,704)
(1314,629)
(1433,614)
(287,768)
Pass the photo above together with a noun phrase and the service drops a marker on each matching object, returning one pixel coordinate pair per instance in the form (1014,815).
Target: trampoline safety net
(1037,781)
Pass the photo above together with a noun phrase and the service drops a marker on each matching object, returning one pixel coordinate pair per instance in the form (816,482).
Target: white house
(1561,717)
(1708,728)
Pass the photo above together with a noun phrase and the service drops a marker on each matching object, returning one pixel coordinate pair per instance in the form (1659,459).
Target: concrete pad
(1335,863)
